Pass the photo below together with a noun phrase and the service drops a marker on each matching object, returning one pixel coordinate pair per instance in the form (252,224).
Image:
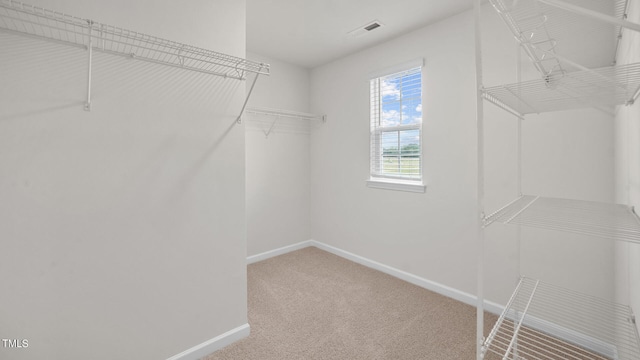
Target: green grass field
(402,166)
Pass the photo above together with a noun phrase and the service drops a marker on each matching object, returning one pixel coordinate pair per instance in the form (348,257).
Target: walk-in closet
(319,179)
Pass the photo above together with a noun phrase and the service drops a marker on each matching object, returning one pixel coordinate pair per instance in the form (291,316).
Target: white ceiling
(310,33)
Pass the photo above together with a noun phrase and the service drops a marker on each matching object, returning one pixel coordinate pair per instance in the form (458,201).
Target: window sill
(398,185)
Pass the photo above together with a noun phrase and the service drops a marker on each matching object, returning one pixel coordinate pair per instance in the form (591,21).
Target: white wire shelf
(602,87)
(605,220)
(544,321)
(24,19)
(546,31)
(572,75)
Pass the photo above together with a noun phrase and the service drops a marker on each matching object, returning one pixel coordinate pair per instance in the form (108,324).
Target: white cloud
(390,117)
(419,108)
(390,89)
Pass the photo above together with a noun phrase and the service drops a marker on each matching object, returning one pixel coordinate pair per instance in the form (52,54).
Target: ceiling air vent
(375,25)
(365,29)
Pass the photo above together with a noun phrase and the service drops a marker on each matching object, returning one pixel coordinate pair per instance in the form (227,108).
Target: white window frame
(376,179)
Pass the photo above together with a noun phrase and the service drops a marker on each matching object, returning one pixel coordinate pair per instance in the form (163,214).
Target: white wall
(432,235)
(429,235)
(122,229)
(278,170)
(628,171)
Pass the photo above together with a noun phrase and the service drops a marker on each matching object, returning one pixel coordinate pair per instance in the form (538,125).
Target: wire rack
(29,20)
(605,220)
(544,321)
(545,31)
(605,87)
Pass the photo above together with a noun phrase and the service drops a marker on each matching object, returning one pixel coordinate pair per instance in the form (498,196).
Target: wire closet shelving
(524,328)
(540,26)
(542,320)
(24,19)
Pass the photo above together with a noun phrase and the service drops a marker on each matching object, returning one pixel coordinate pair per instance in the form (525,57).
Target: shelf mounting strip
(24,19)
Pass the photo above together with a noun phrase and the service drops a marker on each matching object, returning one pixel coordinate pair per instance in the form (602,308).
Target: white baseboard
(201,350)
(403,275)
(559,332)
(279,251)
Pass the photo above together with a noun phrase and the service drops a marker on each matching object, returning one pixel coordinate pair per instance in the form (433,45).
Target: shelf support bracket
(591,13)
(583,68)
(521,210)
(253,84)
(514,339)
(87,105)
(498,324)
(634,97)
(492,99)
(266,133)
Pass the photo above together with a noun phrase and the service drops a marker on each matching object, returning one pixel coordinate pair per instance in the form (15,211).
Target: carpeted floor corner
(310,304)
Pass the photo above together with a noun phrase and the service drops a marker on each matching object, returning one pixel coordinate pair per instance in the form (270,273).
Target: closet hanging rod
(285,113)
(24,19)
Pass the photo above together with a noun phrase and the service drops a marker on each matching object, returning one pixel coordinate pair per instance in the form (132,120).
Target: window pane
(411,86)
(409,166)
(411,112)
(410,142)
(390,153)
(390,143)
(411,98)
(390,166)
(390,89)
(410,152)
(390,114)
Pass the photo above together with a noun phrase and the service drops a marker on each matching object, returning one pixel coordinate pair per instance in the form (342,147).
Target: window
(396,130)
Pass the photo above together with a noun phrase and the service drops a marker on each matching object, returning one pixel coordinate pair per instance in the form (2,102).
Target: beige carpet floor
(310,304)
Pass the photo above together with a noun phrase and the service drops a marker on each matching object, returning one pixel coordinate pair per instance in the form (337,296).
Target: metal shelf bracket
(87,105)
(253,84)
